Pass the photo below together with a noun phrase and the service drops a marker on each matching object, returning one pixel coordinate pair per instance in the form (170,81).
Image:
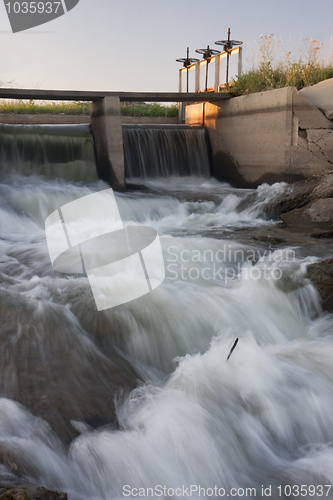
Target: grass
(31,107)
(149,109)
(279,68)
(83,108)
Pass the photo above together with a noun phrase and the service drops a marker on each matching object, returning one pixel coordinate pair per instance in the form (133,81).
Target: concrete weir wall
(272,136)
(106,126)
(108,137)
(63,119)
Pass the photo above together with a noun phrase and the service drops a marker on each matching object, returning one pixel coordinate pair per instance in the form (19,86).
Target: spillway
(163,151)
(54,151)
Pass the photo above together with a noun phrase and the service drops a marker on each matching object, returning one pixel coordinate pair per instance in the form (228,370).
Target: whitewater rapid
(263,419)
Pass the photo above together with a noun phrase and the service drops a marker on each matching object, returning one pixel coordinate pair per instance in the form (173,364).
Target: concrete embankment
(307,208)
(272,136)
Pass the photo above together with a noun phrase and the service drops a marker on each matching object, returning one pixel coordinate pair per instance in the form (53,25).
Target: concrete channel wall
(272,136)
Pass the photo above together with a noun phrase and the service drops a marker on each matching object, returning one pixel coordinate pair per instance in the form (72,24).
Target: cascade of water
(162,151)
(64,151)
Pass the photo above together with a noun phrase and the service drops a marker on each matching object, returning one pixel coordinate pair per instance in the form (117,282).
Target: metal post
(188,59)
(227,47)
(227,75)
(207,55)
(240,68)
(187,62)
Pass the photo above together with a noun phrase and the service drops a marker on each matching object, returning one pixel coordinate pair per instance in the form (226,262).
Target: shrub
(278,68)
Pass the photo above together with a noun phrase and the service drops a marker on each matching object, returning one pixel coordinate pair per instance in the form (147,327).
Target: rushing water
(262,419)
(163,151)
(65,151)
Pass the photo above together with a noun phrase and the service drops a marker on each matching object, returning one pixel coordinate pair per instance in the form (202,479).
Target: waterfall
(63,151)
(67,151)
(163,151)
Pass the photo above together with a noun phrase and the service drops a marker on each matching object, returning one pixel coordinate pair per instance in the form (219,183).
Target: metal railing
(196,67)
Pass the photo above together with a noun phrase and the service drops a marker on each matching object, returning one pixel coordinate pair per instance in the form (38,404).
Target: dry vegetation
(281,68)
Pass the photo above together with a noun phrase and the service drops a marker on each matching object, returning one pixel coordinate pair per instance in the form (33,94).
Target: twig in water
(233,347)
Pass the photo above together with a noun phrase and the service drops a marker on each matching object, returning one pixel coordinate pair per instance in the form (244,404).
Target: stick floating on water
(233,347)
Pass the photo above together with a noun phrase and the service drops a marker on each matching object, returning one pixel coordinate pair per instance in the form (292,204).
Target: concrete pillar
(240,62)
(181,112)
(108,136)
(217,72)
(180,104)
(180,83)
(197,76)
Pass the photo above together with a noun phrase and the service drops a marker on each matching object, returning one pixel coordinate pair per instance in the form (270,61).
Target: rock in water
(321,274)
(51,365)
(301,193)
(20,490)
(318,213)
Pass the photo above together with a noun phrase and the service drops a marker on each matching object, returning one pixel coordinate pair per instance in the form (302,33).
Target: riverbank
(308,204)
(307,209)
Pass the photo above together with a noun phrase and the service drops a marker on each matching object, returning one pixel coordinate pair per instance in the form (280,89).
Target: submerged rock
(321,234)
(318,213)
(21,490)
(321,274)
(307,204)
(52,366)
(301,193)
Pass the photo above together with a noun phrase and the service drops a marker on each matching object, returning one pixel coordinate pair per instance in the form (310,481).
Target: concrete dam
(273,136)
(68,151)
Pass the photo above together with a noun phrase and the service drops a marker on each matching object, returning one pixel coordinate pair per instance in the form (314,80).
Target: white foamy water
(264,418)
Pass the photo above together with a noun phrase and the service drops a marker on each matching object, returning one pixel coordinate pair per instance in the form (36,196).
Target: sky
(132,45)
